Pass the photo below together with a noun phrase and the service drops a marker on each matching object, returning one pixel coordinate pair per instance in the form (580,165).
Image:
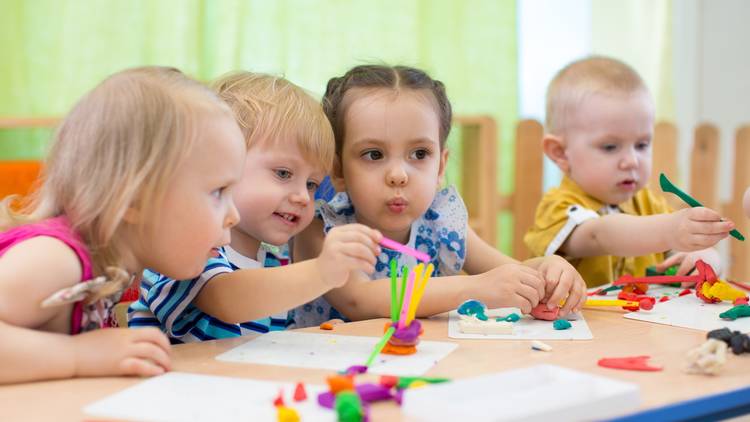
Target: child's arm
(362,298)
(249,294)
(689,229)
(480,256)
(29,354)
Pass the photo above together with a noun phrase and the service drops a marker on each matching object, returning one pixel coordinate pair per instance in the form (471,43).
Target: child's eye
(312,186)
(609,147)
(372,155)
(419,154)
(283,173)
(642,146)
(216,193)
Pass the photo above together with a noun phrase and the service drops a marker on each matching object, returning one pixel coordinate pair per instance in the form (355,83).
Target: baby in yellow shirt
(602,217)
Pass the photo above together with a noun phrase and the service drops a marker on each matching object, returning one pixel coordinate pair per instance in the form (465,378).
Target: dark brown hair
(380,76)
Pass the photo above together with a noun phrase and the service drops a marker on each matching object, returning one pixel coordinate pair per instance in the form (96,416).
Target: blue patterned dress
(440,232)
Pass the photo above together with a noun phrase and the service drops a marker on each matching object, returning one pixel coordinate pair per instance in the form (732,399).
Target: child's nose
(232,216)
(300,196)
(397,176)
(630,160)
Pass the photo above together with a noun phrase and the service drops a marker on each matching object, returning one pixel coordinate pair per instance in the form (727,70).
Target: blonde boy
(602,218)
(290,149)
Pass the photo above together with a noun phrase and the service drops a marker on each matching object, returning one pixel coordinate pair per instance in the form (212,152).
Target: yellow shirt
(562,209)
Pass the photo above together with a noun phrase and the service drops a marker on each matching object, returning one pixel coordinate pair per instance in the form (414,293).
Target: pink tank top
(60,229)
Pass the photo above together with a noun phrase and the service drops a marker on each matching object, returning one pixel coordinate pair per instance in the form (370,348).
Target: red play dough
(541,311)
(632,363)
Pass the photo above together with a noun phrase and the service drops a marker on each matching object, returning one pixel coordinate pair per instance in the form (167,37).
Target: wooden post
(529,173)
(664,160)
(28,122)
(704,165)
(739,252)
(479,174)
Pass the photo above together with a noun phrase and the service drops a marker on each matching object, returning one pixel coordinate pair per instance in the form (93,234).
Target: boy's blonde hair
(118,147)
(272,109)
(583,77)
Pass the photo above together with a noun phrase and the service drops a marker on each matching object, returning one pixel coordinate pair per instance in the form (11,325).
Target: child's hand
(562,282)
(121,351)
(348,248)
(511,285)
(697,228)
(687,260)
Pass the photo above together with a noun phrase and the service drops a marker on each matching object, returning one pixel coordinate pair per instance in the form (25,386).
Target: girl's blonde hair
(118,147)
(272,109)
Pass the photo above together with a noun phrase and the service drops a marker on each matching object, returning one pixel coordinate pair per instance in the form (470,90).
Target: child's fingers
(526,270)
(713,227)
(530,294)
(373,234)
(155,336)
(140,367)
(573,301)
(703,241)
(522,303)
(703,214)
(533,281)
(358,237)
(685,267)
(359,251)
(562,289)
(552,277)
(670,261)
(153,353)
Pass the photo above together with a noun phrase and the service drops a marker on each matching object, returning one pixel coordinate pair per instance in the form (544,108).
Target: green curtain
(640,33)
(55,50)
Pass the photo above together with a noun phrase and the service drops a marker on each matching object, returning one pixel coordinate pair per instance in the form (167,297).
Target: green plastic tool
(667,186)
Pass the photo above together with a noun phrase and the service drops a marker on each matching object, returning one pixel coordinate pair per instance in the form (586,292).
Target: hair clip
(92,290)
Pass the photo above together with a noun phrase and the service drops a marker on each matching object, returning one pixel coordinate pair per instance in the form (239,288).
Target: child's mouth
(286,218)
(214,252)
(397,205)
(627,184)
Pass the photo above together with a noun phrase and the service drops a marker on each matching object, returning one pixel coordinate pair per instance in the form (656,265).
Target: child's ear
(337,175)
(443,163)
(554,148)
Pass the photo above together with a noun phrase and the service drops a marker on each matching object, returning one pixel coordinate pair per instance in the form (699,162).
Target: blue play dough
(473,307)
(561,324)
(512,317)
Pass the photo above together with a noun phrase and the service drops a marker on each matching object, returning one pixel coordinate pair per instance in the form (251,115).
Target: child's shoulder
(32,280)
(566,195)
(447,203)
(53,239)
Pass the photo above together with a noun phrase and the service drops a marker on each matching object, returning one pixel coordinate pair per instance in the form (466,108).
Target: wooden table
(613,336)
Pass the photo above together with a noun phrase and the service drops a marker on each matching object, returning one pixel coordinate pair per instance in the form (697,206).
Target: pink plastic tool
(392,244)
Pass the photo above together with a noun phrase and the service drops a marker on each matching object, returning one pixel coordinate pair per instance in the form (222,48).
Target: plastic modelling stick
(392,244)
(667,186)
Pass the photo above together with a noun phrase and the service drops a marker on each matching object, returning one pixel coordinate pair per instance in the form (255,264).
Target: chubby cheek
(306,218)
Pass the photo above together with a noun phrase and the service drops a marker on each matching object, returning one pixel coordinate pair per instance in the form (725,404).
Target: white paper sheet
(689,311)
(538,393)
(184,397)
(334,352)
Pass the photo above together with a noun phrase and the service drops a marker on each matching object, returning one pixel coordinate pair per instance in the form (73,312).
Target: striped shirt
(168,304)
